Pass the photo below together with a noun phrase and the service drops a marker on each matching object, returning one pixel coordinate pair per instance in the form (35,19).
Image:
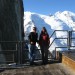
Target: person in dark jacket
(44,45)
(33,38)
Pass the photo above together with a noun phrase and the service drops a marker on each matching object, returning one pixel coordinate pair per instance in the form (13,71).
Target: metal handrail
(51,43)
(21,44)
(52,33)
(69,40)
(72,38)
(59,38)
(60,47)
(9,41)
(10,51)
(55,37)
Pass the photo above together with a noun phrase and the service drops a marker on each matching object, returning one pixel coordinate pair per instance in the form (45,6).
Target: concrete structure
(11,22)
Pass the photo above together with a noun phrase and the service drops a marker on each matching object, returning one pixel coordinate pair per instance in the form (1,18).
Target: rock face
(11,21)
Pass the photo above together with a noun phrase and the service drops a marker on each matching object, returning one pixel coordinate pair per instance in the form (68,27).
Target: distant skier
(44,45)
(33,38)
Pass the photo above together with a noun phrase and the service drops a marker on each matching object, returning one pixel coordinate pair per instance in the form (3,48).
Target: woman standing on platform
(44,45)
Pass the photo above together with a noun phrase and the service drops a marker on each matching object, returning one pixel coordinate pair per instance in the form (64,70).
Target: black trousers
(44,51)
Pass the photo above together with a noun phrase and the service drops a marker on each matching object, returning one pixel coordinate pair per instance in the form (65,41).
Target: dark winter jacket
(44,39)
(33,37)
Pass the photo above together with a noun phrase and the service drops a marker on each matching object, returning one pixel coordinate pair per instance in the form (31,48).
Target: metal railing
(10,51)
(14,52)
(54,33)
(18,54)
(69,39)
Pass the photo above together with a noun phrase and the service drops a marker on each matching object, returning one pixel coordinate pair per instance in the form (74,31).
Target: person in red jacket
(44,45)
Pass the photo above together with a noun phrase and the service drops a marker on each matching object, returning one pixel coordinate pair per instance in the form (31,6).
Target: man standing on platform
(33,38)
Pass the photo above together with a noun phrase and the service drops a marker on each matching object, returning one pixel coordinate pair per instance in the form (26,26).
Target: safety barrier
(15,51)
(70,38)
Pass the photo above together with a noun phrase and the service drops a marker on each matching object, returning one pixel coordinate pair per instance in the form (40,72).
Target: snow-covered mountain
(59,21)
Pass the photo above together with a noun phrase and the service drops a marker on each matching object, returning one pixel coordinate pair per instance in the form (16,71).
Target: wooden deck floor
(49,69)
(70,55)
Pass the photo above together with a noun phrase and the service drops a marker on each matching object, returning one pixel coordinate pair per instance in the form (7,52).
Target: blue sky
(49,6)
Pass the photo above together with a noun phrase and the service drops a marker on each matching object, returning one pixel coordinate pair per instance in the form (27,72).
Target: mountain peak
(59,21)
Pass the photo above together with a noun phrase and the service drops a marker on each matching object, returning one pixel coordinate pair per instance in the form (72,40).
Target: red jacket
(44,39)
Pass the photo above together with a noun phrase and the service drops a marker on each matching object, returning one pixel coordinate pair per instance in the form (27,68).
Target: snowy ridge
(59,21)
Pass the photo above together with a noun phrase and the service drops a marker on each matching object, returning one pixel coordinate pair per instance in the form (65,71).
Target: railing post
(19,52)
(16,54)
(69,39)
(16,46)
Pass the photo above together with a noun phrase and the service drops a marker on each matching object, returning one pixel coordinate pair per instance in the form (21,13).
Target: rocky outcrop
(11,21)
